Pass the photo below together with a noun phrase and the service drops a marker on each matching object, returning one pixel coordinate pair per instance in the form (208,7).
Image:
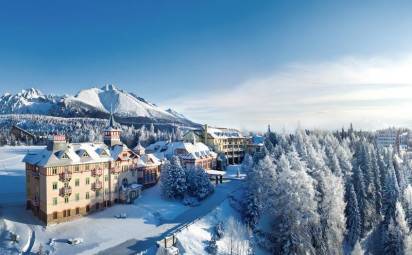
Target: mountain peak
(30,93)
(109,87)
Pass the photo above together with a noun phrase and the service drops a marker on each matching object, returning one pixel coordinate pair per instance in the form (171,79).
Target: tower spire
(111,120)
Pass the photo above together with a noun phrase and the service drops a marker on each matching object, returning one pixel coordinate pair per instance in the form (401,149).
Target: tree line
(316,192)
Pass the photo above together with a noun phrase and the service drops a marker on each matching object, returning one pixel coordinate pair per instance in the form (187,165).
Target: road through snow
(133,246)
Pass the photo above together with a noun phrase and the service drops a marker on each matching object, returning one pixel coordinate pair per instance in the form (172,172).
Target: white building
(190,153)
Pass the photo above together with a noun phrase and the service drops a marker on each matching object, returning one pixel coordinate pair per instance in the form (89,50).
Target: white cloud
(371,93)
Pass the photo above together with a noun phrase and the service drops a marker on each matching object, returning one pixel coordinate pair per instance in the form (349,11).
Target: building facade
(68,180)
(191,153)
(226,141)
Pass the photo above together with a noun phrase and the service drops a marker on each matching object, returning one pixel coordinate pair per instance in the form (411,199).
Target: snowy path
(31,242)
(169,226)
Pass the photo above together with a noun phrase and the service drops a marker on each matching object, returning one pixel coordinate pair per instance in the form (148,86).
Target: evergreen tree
(293,210)
(173,179)
(353,220)
(395,233)
(198,183)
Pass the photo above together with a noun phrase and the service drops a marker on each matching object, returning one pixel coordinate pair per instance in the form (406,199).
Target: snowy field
(149,219)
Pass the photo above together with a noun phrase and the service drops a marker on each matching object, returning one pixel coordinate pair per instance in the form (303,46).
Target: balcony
(66,176)
(97,185)
(97,172)
(65,191)
(115,170)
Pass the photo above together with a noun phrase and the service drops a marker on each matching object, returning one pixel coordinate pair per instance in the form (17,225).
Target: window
(54,170)
(133,173)
(77,196)
(76,182)
(76,168)
(87,181)
(54,215)
(54,185)
(87,195)
(66,200)
(77,210)
(87,167)
(106,178)
(106,191)
(97,193)
(54,200)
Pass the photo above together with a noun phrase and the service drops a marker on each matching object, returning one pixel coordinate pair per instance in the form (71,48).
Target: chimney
(56,142)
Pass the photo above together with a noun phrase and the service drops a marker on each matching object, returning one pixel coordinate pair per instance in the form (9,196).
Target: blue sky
(171,51)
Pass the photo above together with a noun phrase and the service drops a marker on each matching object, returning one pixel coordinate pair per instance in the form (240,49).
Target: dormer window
(65,156)
(104,153)
(85,154)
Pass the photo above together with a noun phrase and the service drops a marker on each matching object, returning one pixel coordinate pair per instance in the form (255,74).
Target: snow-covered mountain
(28,101)
(94,102)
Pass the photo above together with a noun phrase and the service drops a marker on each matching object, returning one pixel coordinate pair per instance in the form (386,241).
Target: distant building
(397,138)
(256,144)
(229,142)
(387,137)
(190,153)
(68,180)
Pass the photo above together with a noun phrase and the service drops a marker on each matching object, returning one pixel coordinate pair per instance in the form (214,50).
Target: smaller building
(387,137)
(255,144)
(190,153)
(227,141)
(399,139)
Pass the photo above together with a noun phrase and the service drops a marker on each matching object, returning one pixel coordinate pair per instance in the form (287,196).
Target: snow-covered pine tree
(247,164)
(259,183)
(332,213)
(407,198)
(360,191)
(198,183)
(357,249)
(173,179)
(353,220)
(395,233)
(292,209)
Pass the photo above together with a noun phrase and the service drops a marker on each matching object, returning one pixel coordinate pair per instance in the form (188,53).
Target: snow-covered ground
(12,174)
(148,219)
(194,239)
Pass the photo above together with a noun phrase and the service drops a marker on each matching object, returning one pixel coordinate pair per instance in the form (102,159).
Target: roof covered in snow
(224,132)
(71,154)
(258,140)
(184,150)
(83,153)
(148,160)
